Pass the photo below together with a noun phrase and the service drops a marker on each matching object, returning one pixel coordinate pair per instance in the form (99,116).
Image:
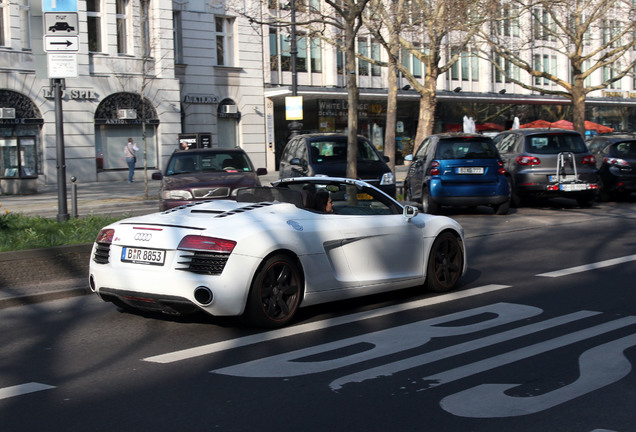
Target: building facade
(164,72)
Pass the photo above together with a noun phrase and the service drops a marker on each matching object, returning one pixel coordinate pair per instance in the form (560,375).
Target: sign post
(61,42)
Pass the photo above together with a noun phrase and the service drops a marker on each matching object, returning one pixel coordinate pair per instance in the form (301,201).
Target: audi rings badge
(143,236)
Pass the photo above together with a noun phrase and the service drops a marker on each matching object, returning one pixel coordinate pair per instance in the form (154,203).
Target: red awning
(536,124)
(597,127)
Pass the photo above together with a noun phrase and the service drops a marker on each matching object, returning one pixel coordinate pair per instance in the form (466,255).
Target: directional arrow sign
(61,43)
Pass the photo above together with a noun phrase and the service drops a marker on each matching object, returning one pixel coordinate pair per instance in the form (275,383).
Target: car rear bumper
(469,194)
(457,201)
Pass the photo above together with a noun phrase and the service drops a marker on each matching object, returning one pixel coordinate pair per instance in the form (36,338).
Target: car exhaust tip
(203,295)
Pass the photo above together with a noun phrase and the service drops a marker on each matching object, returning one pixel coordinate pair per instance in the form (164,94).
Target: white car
(270,252)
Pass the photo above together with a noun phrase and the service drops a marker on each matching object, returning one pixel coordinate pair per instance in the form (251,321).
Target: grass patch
(19,232)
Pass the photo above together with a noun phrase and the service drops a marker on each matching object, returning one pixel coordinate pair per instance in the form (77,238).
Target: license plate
(470,170)
(143,256)
(573,187)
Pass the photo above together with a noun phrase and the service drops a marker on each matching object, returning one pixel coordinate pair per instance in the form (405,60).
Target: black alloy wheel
(445,263)
(275,292)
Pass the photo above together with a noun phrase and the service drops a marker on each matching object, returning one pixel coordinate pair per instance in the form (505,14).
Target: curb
(28,299)
(38,275)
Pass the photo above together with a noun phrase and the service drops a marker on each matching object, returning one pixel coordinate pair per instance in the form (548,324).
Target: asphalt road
(539,337)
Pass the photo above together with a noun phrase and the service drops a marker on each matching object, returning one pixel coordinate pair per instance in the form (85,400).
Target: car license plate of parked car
(573,187)
(143,256)
(470,170)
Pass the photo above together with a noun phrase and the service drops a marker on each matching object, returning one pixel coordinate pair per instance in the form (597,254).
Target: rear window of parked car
(555,143)
(327,151)
(627,148)
(464,149)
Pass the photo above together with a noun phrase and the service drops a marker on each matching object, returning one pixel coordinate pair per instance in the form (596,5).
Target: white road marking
(475,344)
(22,389)
(587,267)
(525,352)
(381,343)
(304,328)
(598,367)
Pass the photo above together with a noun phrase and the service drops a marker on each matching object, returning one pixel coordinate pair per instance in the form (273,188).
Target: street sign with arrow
(61,43)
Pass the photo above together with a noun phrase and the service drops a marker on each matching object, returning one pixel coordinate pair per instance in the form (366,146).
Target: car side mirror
(157,175)
(409,157)
(261,171)
(409,212)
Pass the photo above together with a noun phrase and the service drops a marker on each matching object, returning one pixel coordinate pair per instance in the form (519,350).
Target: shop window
(18,157)
(119,117)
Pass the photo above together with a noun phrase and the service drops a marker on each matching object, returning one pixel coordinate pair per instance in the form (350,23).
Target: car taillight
(434,168)
(206,244)
(105,236)
(528,160)
(502,170)
(616,162)
(589,160)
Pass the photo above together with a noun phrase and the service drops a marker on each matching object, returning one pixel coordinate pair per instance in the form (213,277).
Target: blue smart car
(457,169)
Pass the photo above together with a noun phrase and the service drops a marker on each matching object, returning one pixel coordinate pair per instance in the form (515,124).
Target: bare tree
(338,24)
(593,37)
(435,32)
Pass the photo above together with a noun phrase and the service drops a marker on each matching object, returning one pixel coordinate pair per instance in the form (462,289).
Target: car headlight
(387,179)
(176,195)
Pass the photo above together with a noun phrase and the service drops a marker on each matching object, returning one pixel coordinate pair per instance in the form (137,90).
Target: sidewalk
(103,198)
(107,198)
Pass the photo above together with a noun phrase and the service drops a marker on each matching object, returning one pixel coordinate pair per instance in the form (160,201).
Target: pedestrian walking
(130,152)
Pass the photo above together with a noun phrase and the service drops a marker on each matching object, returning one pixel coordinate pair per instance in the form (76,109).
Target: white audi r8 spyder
(301,242)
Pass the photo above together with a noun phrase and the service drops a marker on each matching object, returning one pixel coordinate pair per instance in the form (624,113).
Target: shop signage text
(200,99)
(340,108)
(619,94)
(78,94)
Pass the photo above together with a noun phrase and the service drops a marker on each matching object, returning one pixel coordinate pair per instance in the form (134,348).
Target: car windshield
(466,149)
(555,143)
(196,162)
(330,151)
(347,198)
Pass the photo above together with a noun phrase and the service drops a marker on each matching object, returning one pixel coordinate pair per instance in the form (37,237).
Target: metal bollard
(73,197)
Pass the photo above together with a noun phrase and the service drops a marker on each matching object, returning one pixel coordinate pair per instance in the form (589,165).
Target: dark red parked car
(204,174)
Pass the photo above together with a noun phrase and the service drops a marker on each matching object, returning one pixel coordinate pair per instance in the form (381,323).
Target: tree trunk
(391,114)
(578,106)
(353,95)
(428,105)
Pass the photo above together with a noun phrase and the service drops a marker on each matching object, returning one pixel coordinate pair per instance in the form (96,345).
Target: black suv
(615,159)
(326,155)
(545,163)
